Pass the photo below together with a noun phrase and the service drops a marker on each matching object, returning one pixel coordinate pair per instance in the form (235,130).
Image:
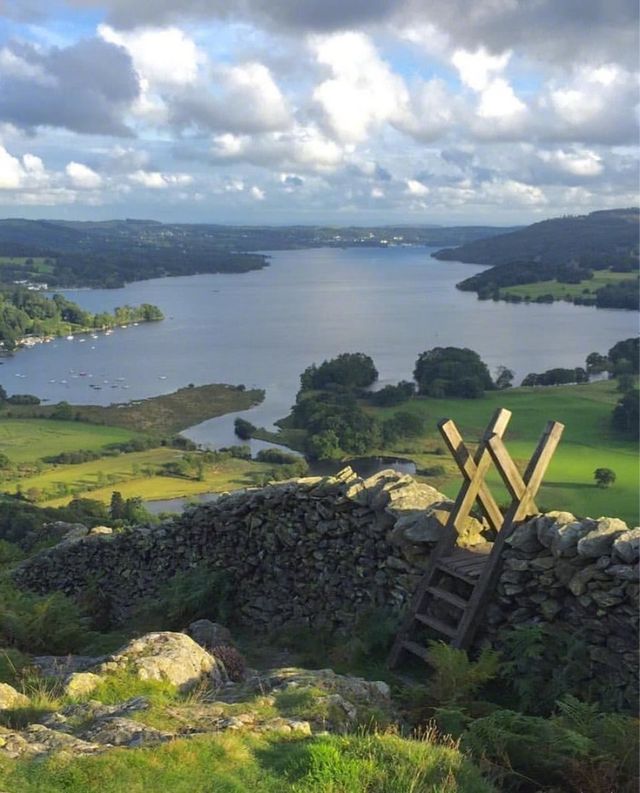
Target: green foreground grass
(273,764)
(586,288)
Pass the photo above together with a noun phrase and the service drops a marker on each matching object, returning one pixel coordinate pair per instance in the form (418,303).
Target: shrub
(454,678)
(243,429)
(232,660)
(542,663)
(35,623)
(515,748)
(277,457)
(199,593)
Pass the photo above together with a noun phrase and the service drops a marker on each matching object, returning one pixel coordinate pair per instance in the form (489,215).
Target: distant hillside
(112,253)
(608,233)
(588,260)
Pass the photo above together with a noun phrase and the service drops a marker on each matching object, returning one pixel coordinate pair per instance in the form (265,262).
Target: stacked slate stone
(316,551)
(582,577)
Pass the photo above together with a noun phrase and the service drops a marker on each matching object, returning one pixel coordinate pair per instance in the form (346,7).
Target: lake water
(264,327)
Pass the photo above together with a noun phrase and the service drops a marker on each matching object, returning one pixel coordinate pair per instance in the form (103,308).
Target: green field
(36,265)
(586,288)
(28,440)
(229,474)
(162,415)
(588,443)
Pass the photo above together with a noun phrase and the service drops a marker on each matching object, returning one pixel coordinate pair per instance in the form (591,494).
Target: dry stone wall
(316,550)
(321,551)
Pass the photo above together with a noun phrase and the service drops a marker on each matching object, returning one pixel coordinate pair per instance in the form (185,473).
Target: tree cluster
(452,372)
(557,376)
(349,370)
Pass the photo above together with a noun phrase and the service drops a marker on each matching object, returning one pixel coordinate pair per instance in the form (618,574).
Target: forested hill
(112,253)
(606,235)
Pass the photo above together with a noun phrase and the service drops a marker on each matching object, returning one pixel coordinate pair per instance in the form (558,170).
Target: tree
(604,477)
(504,378)
(624,356)
(3,394)
(324,446)
(349,370)
(625,416)
(452,371)
(116,509)
(243,429)
(626,383)
(62,412)
(392,395)
(596,363)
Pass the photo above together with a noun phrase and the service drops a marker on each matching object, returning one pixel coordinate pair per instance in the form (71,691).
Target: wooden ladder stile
(478,567)
(473,470)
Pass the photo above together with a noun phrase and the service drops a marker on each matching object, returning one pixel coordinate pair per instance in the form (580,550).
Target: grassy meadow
(25,438)
(586,288)
(230,474)
(588,443)
(28,440)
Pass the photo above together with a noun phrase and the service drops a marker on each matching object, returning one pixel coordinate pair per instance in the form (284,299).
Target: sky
(368,112)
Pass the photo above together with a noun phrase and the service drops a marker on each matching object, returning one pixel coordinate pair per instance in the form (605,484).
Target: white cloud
(498,100)
(82,176)
(302,147)
(434,111)
(163,56)
(578,163)
(477,69)
(377,192)
(596,104)
(12,171)
(511,191)
(240,99)
(155,180)
(363,92)
(257,193)
(416,188)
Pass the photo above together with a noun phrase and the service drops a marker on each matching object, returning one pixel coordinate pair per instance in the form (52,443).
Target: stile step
(449,597)
(416,649)
(437,625)
(456,573)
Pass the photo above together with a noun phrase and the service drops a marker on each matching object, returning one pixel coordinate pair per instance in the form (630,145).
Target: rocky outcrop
(173,657)
(10,698)
(281,700)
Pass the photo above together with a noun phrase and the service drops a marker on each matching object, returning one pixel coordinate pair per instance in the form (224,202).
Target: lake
(263,328)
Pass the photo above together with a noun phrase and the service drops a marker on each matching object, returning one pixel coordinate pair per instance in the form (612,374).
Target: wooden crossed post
(476,567)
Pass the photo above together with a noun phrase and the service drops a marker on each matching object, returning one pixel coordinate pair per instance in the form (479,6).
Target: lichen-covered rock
(38,741)
(118,731)
(599,541)
(565,537)
(169,656)
(627,546)
(548,525)
(101,530)
(79,684)
(10,698)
